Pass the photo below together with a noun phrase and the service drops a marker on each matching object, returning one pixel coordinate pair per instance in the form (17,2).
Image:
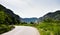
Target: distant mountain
(10,17)
(15,18)
(28,20)
(53,15)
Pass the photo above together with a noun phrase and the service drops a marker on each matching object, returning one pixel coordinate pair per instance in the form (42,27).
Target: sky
(31,8)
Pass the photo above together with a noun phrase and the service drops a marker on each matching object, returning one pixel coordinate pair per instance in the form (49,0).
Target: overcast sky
(31,8)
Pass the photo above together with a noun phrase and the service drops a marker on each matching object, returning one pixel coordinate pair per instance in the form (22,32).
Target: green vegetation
(7,19)
(50,26)
(4,24)
(5,28)
(47,27)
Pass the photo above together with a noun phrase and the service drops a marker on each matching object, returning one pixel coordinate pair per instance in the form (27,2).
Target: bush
(5,28)
(53,26)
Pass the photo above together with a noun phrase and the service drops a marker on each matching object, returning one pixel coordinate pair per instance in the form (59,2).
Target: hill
(52,15)
(7,16)
(28,20)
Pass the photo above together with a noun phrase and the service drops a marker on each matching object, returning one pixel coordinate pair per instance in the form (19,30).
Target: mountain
(7,16)
(53,15)
(28,20)
(13,17)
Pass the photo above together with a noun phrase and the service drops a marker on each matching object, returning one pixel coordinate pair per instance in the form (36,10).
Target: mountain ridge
(53,15)
(10,17)
(28,20)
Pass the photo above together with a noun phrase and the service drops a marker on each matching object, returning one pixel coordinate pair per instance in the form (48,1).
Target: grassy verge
(46,28)
(5,28)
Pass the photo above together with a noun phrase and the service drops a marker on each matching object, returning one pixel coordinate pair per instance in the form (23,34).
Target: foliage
(31,22)
(50,25)
(5,28)
(7,19)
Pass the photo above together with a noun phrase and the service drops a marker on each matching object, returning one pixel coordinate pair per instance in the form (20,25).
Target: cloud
(31,8)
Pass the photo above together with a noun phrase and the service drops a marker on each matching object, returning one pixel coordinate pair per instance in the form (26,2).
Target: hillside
(28,20)
(7,16)
(7,19)
(52,15)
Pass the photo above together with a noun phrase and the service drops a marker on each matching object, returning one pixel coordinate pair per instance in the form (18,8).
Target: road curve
(23,30)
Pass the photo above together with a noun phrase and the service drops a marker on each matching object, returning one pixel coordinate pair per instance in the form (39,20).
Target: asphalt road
(23,30)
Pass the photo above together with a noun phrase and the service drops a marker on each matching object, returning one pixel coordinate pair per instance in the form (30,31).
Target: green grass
(46,28)
(49,28)
(5,28)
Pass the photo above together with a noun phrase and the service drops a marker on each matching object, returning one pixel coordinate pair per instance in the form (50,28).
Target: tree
(31,22)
